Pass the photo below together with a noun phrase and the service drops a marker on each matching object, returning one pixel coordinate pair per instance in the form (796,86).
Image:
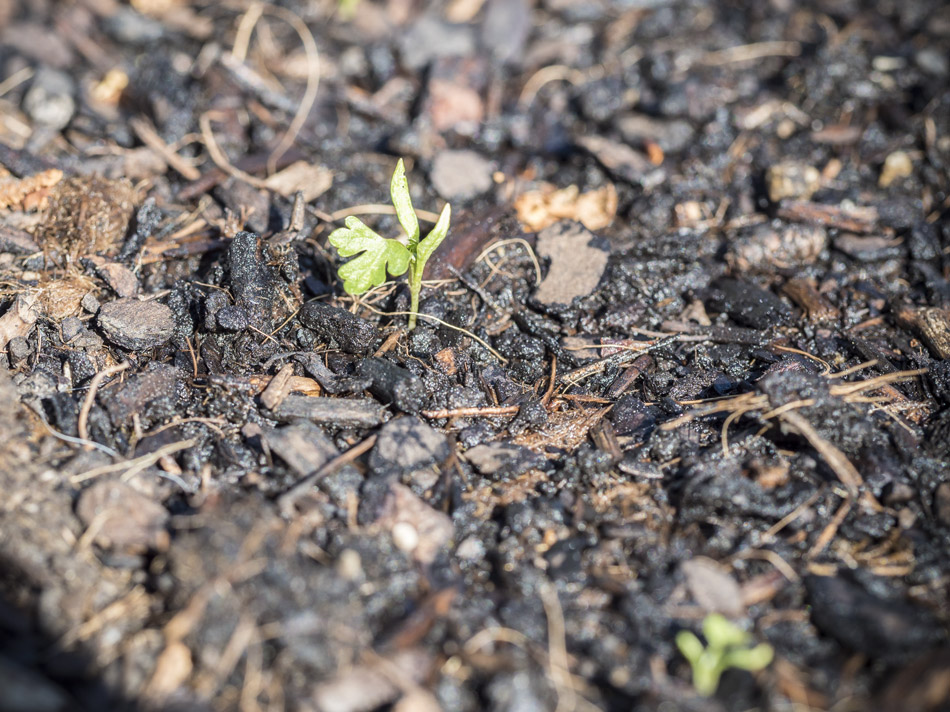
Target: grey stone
(408,444)
(461,175)
(577,262)
(50,99)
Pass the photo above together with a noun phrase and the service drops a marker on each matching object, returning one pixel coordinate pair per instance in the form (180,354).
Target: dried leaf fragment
(595,209)
(15,191)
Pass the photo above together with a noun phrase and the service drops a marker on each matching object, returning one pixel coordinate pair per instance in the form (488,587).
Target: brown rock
(122,519)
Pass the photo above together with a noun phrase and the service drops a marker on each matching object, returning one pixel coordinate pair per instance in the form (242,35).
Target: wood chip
(933,326)
(278,388)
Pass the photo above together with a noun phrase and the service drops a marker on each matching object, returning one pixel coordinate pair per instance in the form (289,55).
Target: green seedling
(726,647)
(378,255)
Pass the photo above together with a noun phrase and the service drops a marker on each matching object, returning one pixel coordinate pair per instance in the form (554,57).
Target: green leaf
(399,191)
(379,255)
(689,646)
(751,659)
(435,237)
(722,633)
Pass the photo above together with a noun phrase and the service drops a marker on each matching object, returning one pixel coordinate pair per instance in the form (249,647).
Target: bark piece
(342,412)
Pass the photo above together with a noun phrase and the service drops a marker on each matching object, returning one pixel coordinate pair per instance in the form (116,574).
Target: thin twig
(379,209)
(133,467)
(287,500)
(443,323)
(241,43)
(488,412)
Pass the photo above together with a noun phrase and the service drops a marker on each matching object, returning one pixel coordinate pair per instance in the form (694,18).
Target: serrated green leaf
(379,255)
(399,192)
(435,237)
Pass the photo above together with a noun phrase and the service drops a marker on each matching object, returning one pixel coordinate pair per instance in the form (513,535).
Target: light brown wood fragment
(933,326)
(804,293)
(278,388)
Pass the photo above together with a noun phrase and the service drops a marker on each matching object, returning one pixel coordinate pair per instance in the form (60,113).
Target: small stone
(90,303)
(791,179)
(577,262)
(136,325)
(470,549)
(746,304)
(128,26)
(897,165)
(461,175)
(71,327)
(503,460)
(50,99)
(416,528)
(712,587)
(933,60)
(408,444)
(19,350)
(405,537)
(125,520)
(349,565)
(430,38)
(119,277)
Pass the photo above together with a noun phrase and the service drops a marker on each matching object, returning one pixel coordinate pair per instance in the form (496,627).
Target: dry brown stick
(828,533)
(136,465)
(287,499)
(389,343)
(83,426)
(149,136)
(488,412)
(278,388)
(846,472)
(550,391)
(837,460)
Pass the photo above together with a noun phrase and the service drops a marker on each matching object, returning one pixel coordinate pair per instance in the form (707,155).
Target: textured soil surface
(685,351)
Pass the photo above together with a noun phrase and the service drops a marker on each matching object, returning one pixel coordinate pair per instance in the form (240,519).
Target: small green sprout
(727,647)
(378,255)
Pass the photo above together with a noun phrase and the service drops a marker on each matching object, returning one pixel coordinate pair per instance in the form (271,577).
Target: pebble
(405,537)
(888,628)
(461,175)
(430,38)
(50,99)
(136,325)
(408,444)
(897,165)
(349,565)
(503,460)
(125,519)
(90,303)
(791,179)
(577,262)
(747,304)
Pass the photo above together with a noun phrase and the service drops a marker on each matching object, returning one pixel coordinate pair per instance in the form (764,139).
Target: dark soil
(686,350)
